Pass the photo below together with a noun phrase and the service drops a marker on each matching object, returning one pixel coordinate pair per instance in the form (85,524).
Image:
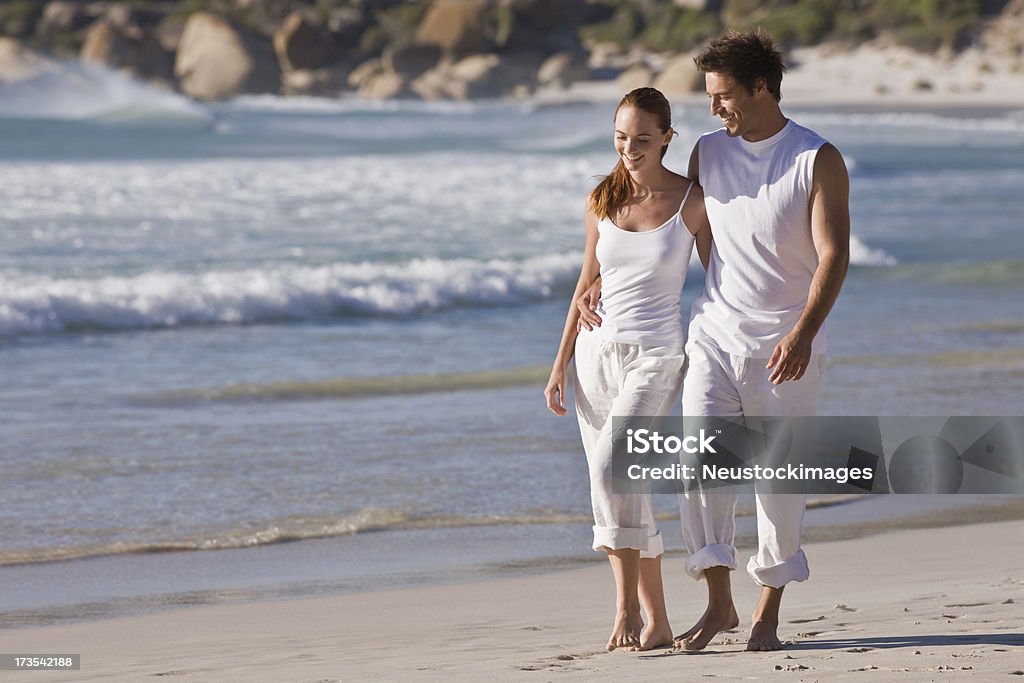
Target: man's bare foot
(733,622)
(710,625)
(626,630)
(655,635)
(764,637)
(764,632)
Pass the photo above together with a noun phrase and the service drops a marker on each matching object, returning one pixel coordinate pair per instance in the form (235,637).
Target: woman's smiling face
(638,138)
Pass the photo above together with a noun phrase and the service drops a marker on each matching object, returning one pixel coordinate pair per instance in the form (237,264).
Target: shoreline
(920,610)
(161,582)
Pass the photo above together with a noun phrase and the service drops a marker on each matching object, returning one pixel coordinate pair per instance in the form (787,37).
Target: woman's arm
(554,392)
(695,216)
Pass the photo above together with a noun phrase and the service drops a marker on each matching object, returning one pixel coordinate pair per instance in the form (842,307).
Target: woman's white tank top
(642,276)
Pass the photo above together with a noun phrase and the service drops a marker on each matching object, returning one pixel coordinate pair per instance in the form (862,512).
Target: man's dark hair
(746,57)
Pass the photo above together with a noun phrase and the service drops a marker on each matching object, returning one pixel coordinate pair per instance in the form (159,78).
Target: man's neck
(774,121)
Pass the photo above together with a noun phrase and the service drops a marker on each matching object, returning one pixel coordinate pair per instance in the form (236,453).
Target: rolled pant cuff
(655,547)
(714,555)
(777,576)
(620,538)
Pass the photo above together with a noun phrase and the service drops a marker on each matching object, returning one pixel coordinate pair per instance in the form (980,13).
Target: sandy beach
(922,604)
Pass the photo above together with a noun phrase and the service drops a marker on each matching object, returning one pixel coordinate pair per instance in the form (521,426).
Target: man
(777,197)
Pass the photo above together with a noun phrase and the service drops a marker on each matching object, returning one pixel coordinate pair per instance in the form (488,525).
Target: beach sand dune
(924,604)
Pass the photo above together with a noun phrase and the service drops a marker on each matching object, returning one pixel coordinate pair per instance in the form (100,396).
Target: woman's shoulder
(685,187)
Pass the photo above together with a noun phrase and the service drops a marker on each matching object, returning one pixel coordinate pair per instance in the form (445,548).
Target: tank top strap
(686,196)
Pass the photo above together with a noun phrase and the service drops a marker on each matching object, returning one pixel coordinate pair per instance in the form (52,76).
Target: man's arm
(830,231)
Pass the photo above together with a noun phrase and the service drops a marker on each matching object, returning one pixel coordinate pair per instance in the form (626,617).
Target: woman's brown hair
(616,188)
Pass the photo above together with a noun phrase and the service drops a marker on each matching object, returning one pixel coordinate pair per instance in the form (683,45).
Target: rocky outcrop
(478,76)
(1005,36)
(362,74)
(635,77)
(300,45)
(61,16)
(410,62)
(562,69)
(454,48)
(327,82)
(217,60)
(383,86)
(453,25)
(679,77)
(128,48)
(19,63)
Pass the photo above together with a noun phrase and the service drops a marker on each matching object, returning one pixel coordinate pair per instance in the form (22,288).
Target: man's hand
(587,303)
(790,358)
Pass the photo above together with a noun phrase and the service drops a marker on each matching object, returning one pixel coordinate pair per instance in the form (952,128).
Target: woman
(641,223)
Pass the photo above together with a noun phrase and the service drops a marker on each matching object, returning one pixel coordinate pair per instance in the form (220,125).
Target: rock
(453,25)
(60,16)
(301,46)
(714,6)
(216,60)
(482,75)
(168,33)
(383,86)
(141,56)
(680,76)
(19,63)
(433,84)
(411,62)
(549,25)
(360,75)
(475,76)
(1004,36)
(323,82)
(562,69)
(133,21)
(340,19)
(106,45)
(634,77)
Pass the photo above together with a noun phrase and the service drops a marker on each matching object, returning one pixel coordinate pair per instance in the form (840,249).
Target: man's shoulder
(811,138)
(713,135)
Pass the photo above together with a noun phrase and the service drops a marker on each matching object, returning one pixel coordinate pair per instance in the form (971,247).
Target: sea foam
(83,91)
(39,304)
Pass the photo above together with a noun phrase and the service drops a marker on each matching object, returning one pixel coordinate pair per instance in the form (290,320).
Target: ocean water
(227,326)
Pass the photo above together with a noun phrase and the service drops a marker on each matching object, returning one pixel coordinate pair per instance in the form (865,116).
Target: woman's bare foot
(656,635)
(714,621)
(626,630)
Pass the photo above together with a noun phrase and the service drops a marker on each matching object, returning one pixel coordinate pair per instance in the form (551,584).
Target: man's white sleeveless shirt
(762,261)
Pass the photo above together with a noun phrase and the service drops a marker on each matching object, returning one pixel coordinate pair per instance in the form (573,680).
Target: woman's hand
(554,392)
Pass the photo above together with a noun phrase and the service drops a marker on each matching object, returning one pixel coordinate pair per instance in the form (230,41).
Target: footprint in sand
(968,604)
(806,621)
